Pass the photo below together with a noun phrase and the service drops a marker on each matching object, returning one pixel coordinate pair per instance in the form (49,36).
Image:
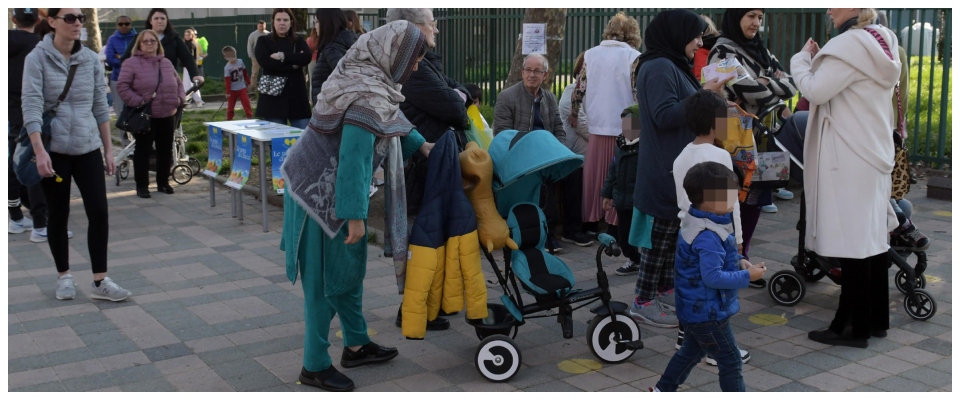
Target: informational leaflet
(724,69)
(278,152)
(534,39)
(215,151)
(241,162)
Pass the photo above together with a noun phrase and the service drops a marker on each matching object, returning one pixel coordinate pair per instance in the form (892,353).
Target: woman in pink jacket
(149,76)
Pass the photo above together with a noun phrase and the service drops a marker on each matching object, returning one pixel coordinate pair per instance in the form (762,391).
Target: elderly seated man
(527,106)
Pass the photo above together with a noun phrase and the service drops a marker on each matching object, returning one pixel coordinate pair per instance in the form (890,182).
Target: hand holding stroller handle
(610,243)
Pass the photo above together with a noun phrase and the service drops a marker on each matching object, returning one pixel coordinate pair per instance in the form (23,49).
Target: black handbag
(136,120)
(24,158)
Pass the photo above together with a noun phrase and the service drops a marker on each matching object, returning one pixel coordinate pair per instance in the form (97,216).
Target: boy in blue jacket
(708,273)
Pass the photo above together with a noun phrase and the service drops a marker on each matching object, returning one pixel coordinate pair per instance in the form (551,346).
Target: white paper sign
(83,34)
(534,39)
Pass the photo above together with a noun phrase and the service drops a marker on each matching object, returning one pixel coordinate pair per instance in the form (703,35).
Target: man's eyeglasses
(71,19)
(148,41)
(123,24)
(431,23)
(536,72)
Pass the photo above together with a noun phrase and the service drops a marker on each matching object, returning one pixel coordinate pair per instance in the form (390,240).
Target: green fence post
(492,56)
(945,86)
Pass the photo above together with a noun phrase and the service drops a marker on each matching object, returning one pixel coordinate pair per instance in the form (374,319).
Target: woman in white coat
(849,157)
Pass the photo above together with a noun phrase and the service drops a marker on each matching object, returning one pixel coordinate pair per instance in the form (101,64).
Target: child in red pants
(237,79)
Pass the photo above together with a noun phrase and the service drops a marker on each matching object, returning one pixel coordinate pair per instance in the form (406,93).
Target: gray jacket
(75,130)
(514,110)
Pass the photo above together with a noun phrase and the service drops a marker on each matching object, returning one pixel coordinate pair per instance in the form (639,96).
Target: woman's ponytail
(867,16)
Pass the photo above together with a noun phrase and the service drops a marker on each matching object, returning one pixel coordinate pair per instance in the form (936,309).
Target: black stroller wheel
(497,358)
(921,306)
(607,338)
(900,281)
(182,174)
(194,165)
(123,171)
(813,273)
(787,288)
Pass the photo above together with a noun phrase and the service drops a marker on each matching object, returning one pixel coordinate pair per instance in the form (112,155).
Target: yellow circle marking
(370,332)
(943,213)
(768,319)
(579,366)
(932,279)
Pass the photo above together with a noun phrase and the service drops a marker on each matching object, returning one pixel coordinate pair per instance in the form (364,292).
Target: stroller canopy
(524,161)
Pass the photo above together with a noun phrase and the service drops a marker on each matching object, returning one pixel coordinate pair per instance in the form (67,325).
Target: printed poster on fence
(215,148)
(534,39)
(278,153)
(241,162)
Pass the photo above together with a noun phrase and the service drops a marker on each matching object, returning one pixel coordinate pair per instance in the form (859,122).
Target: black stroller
(787,287)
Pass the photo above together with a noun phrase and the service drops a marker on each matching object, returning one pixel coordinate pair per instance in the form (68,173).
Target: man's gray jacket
(514,110)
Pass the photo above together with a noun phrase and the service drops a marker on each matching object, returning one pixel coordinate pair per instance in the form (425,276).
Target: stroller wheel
(900,280)
(813,274)
(182,174)
(787,288)
(497,358)
(608,338)
(921,306)
(123,171)
(194,165)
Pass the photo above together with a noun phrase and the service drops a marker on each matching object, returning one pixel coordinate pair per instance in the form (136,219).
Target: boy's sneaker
(769,208)
(783,194)
(108,290)
(65,288)
(553,246)
(40,235)
(628,268)
(668,300)
(911,238)
(578,239)
(744,355)
(653,314)
(759,283)
(19,226)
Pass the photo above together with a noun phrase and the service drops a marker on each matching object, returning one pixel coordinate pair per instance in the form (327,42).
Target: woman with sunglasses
(79,129)
(146,77)
(174,48)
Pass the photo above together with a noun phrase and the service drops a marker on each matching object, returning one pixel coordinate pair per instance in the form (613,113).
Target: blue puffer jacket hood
(707,270)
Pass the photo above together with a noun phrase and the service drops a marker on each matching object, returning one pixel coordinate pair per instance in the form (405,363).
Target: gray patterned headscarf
(364,90)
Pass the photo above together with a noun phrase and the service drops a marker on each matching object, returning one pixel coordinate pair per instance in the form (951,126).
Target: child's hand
(607,204)
(756,271)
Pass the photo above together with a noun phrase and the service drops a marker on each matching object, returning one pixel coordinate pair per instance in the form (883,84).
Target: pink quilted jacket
(138,80)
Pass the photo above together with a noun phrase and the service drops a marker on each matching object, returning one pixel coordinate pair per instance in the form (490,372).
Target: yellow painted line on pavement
(943,213)
(579,366)
(932,279)
(768,319)
(370,332)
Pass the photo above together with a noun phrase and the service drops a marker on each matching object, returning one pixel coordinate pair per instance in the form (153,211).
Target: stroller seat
(540,273)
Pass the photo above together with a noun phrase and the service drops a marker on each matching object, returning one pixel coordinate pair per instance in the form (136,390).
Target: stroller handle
(196,86)
(612,248)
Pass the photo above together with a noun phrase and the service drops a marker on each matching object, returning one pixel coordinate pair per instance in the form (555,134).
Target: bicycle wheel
(182,174)
(194,165)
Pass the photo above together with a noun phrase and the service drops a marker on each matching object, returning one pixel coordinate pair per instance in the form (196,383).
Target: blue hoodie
(707,270)
(116,45)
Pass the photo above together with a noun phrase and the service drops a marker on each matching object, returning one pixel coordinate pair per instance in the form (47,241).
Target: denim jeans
(713,338)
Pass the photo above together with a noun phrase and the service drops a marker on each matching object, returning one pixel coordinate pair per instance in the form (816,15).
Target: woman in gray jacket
(79,129)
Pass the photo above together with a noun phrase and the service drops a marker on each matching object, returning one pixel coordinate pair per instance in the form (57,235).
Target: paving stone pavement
(212,310)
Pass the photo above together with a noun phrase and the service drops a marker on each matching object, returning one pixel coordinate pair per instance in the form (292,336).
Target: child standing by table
(237,79)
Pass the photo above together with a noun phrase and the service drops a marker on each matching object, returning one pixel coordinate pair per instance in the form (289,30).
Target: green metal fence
(477,45)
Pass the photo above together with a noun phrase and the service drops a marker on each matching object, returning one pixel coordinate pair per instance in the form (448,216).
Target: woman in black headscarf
(768,83)
(664,80)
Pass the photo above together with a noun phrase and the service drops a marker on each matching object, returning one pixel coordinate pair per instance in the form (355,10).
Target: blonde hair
(136,45)
(711,27)
(867,16)
(623,28)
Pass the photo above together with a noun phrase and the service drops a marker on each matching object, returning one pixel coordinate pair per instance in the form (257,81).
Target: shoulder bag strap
(66,88)
(901,123)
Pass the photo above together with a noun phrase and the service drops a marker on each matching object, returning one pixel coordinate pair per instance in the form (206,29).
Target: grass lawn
(920,91)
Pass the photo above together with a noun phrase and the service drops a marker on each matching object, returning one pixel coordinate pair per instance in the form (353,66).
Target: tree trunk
(92,26)
(556,20)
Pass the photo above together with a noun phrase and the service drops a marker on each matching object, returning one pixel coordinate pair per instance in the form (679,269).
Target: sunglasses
(72,19)
(123,24)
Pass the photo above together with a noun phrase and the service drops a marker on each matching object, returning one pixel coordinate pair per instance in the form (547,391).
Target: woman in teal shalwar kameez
(356,126)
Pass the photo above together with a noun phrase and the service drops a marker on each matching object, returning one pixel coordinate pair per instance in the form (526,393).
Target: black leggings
(30,197)
(161,132)
(87,171)
(864,296)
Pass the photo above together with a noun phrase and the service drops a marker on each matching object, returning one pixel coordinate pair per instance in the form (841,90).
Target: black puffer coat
(433,105)
(327,60)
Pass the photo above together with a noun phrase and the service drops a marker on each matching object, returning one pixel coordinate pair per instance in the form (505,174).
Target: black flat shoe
(165,189)
(143,193)
(368,353)
(439,324)
(879,333)
(329,379)
(827,336)
(446,314)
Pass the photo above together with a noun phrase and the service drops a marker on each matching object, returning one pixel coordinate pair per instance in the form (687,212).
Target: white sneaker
(40,235)
(783,194)
(744,355)
(65,288)
(108,290)
(769,208)
(19,226)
